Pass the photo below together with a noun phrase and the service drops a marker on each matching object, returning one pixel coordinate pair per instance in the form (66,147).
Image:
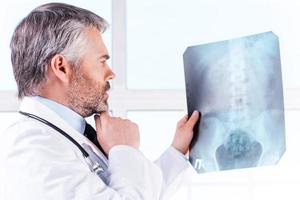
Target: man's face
(89,84)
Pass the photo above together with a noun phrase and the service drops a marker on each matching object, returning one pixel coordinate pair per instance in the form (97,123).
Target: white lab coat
(37,162)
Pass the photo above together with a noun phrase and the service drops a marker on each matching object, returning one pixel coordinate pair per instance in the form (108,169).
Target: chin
(101,109)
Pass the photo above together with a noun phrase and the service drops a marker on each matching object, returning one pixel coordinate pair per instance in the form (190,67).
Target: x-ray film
(237,86)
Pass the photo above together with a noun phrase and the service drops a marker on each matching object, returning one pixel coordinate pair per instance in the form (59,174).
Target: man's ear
(61,68)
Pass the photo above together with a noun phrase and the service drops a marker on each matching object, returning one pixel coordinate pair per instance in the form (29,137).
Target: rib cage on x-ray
(237,86)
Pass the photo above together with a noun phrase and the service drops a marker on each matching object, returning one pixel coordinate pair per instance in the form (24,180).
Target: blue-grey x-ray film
(237,86)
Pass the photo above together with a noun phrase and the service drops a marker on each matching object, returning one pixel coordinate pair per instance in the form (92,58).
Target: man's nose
(111,75)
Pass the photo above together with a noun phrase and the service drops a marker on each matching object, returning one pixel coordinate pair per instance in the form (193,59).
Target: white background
(146,41)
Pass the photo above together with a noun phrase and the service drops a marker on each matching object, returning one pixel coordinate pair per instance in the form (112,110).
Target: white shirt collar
(71,117)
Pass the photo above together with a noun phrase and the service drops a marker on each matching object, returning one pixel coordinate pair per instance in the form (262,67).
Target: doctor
(60,66)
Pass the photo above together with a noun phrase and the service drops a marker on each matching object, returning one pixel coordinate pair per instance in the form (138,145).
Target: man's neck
(71,117)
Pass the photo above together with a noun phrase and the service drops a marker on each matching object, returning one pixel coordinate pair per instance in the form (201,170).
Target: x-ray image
(237,86)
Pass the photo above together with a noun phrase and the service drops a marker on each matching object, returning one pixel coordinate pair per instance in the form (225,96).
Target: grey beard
(86,109)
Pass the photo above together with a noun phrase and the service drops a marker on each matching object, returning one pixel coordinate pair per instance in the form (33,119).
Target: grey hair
(50,29)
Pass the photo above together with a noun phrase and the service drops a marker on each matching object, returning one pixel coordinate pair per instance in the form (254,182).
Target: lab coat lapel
(32,106)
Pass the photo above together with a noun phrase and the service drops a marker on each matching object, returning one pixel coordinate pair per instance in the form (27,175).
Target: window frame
(123,99)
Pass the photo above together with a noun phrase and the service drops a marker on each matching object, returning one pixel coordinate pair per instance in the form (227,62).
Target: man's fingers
(100,120)
(193,119)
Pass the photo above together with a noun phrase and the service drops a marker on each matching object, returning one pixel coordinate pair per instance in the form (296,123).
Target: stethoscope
(94,166)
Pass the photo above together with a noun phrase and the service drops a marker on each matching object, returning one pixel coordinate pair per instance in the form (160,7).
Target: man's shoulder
(29,135)
(23,127)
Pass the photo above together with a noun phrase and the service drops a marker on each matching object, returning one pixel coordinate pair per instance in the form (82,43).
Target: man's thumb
(98,123)
(193,119)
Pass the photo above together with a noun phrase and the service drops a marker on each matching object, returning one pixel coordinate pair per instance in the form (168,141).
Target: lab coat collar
(35,107)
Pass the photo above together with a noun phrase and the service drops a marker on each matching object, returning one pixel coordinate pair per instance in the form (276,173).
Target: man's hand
(184,132)
(112,131)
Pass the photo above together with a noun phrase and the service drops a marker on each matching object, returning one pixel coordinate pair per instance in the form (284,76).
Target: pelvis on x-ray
(237,86)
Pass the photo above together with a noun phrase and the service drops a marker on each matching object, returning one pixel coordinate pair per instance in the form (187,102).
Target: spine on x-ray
(238,83)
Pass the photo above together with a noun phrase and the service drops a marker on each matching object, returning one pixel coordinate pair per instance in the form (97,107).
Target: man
(60,66)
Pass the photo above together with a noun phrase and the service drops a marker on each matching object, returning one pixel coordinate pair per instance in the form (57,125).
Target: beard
(87,97)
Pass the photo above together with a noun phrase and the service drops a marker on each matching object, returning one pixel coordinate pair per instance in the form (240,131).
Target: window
(157,34)
(148,40)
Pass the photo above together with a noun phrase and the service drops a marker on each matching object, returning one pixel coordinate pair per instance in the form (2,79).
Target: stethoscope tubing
(94,166)
(83,151)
